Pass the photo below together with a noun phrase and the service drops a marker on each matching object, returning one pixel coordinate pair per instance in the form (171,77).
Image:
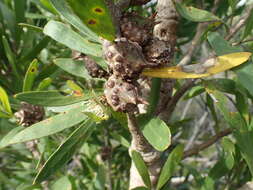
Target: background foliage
(82,144)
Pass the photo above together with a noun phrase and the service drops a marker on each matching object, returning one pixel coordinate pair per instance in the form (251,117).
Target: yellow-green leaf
(95,15)
(210,67)
(4,100)
(30,75)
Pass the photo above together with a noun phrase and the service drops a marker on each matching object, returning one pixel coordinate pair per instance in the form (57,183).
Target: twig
(196,130)
(234,29)
(150,156)
(196,39)
(206,144)
(194,43)
(241,42)
(174,100)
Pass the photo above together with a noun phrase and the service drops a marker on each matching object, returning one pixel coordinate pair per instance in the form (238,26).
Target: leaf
(156,132)
(10,56)
(76,68)
(33,53)
(245,76)
(234,119)
(55,98)
(96,15)
(249,26)
(64,35)
(7,138)
(210,67)
(63,9)
(229,149)
(223,85)
(245,143)
(44,84)
(62,184)
(154,95)
(140,188)
(141,167)
(5,101)
(48,5)
(100,179)
(220,45)
(194,14)
(30,75)
(65,151)
(170,165)
(51,125)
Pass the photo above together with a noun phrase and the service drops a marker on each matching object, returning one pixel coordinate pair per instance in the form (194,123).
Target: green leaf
(194,91)
(100,179)
(245,143)
(220,45)
(34,52)
(76,68)
(65,151)
(30,75)
(44,84)
(96,15)
(156,132)
(223,85)
(141,167)
(10,56)
(54,98)
(154,95)
(234,119)
(170,165)
(194,14)
(249,26)
(5,101)
(51,125)
(63,34)
(62,184)
(63,9)
(7,138)
(229,149)
(140,188)
(245,76)
(122,140)
(48,5)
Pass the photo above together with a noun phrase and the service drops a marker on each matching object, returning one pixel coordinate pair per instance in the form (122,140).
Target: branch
(196,39)
(165,114)
(234,29)
(206,144)
(150,156)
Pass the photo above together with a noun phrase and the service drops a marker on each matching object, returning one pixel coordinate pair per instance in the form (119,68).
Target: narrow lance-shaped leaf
(220,45)
(194,14)
(50,126)
(141,167)
(55,98)
(63,9)
(63,34)
(65,151)
(44,84)
(245,143)
(210,67)
(170,166)
(30,75)
(234,119)
(76,68)
(96,15)
(5,101)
